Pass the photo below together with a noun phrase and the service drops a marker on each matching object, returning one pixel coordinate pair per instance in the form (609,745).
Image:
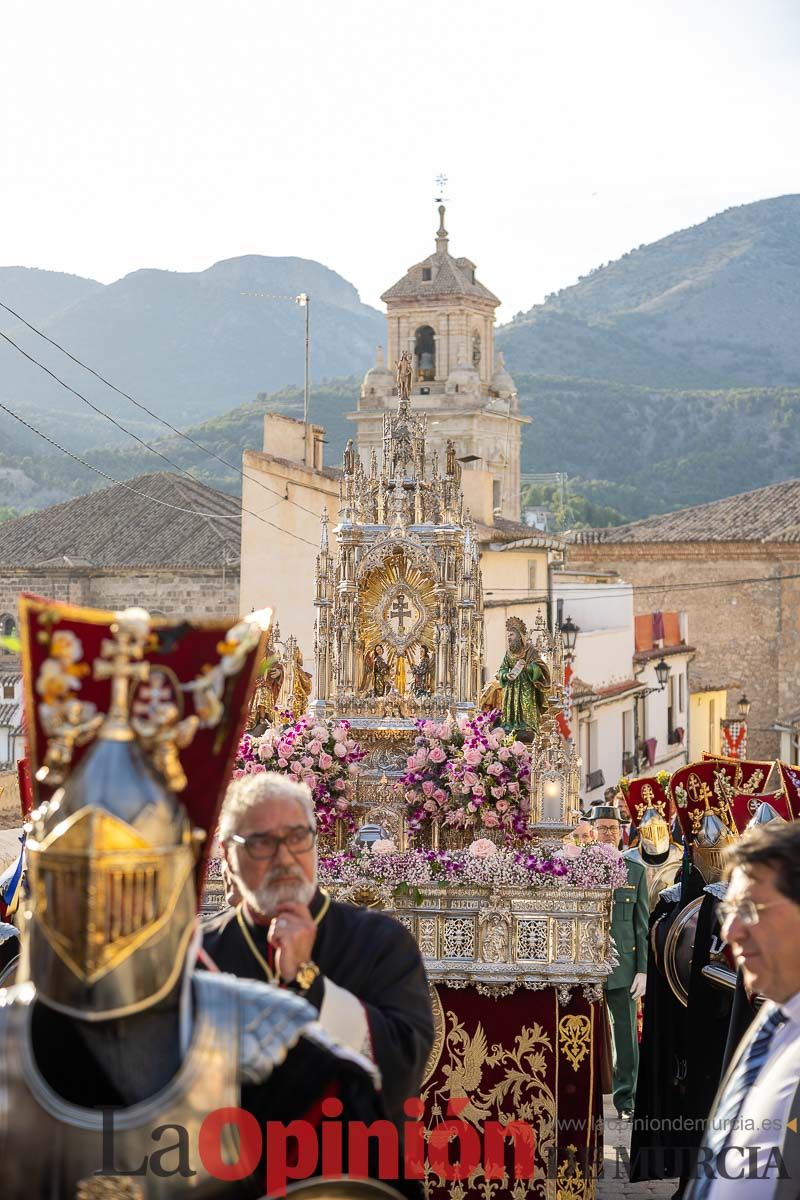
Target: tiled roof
(192,526)
(769,514)
(509,532)
(449,277)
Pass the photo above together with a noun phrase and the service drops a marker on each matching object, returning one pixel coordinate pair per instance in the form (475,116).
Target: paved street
(615,1181)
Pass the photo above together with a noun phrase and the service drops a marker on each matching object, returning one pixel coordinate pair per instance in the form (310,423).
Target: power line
(145,495)
(143,407)
(654,587)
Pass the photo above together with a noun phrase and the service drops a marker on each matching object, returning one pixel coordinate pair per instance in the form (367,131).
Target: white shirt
(761,1124)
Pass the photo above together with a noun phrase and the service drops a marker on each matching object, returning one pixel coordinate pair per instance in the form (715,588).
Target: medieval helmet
(711,840)
(114,846)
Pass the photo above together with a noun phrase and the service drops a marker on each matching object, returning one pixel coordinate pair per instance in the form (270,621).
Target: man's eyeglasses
(266,845)
(746,911)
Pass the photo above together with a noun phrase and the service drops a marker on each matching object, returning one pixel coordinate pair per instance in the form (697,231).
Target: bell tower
(444,318)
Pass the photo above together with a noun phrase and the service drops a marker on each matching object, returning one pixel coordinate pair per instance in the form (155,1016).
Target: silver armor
(659,875)
(52,1149)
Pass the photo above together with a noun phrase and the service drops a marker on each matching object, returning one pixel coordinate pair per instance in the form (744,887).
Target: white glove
(639,985)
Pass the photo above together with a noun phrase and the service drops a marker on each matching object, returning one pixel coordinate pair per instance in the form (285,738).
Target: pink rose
(353,768)
(490,819)
(307,760)
(420,759)
(470,779)
(266,751)
(473,756)
(325,761)
(440,796)
(502,806)
(427,787)
(495,769)
(340,785)
(430,806)
(478,791)
(570,850)
(340,750)
(314,746)
(491,741)
(482,848)
(339,734)
(518,749)
(341,804)
(504,754)
(320,732)
(283,763)
(411,762)
(437,755)
(512,788)
(498,792)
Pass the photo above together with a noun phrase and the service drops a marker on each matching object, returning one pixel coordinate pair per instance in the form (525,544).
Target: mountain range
(670,376)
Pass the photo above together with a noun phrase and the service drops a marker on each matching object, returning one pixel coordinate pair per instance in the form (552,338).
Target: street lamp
(743,706)
(569,636)
(662,674)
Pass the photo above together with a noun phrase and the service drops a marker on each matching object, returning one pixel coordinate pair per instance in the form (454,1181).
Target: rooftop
(157,520)
(440,276)
(768,514)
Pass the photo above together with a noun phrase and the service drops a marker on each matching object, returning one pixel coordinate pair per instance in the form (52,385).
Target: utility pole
(304,300)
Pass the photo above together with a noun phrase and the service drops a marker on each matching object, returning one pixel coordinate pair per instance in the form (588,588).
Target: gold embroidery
(570,1181)
(574,1039)
(104,1187)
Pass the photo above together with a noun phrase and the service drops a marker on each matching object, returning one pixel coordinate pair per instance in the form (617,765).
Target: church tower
(444,317)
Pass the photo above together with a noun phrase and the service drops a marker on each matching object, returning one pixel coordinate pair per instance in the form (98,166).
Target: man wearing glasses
(361,969)
(751,1146)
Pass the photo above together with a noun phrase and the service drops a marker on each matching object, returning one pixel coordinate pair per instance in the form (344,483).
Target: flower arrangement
(321,754)
(469,774)
(596,866)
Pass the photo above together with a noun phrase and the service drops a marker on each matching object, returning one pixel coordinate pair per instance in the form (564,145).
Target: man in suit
(751,1147)
(626,983)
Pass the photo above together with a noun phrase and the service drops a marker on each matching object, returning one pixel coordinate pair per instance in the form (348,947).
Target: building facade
(734,567)
(160,541)
(623,721)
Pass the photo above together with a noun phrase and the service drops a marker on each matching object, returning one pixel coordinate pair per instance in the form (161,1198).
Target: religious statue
(423,673)
(525,680)
(452,468)
(349,458)
(263,706)
(376,679)
(301,686)
(404,375)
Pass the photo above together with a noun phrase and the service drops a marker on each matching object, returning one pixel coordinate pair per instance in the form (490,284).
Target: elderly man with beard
(360,969)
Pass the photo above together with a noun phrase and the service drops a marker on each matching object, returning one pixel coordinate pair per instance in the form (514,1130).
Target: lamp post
(569,636)
(662,675)
(744,707)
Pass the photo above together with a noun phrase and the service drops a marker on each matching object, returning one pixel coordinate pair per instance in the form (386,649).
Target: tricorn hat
(609,812)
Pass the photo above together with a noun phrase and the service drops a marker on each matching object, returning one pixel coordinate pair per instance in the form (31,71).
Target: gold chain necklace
(253,948)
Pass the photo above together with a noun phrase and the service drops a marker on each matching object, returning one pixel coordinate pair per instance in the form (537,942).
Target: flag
(10,882)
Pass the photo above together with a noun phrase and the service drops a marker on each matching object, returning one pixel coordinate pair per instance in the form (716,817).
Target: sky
(173,134)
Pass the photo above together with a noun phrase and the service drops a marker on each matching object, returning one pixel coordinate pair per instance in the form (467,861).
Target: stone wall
(747,636)
(202,592)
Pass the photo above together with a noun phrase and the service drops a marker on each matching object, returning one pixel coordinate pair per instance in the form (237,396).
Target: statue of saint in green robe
(525,680)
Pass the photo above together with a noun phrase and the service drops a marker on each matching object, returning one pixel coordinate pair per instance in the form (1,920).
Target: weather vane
(441,184)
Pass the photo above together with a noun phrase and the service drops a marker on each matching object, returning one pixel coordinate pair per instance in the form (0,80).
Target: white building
(623,720)
(12,738)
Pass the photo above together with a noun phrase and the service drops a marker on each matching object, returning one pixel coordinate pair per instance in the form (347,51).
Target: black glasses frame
(258,839)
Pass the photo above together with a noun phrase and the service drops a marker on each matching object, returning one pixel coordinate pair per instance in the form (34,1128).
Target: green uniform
(629,928)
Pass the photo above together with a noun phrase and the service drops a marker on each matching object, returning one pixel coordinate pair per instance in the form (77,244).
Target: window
(8,627)
(8,691)
(425,353)
(681,693)
(496,495)
(426,274)
(531,574)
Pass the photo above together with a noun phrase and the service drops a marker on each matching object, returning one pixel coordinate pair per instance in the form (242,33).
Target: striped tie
(720,1125)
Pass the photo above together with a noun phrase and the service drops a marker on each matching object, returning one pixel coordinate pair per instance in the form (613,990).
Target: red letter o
(209,1143)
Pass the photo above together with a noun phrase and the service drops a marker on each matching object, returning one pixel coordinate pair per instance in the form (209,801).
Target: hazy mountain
(717,305)
(40,296)
(187,345)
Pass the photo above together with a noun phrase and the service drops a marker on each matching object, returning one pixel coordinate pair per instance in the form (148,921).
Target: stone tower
(444,317)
